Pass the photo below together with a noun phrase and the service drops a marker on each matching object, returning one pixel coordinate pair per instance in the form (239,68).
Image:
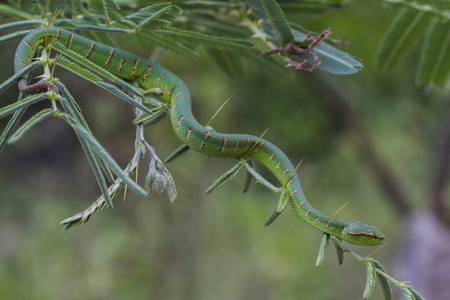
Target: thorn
(254,146)
(378,249)
(183,149)
(217,112)
(177,153)
(292,174)
(339,210)
(171,92)
(156,91)
(248,177)
(54,66)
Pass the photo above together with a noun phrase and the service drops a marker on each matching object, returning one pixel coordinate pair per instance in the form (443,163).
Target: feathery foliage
(418,23)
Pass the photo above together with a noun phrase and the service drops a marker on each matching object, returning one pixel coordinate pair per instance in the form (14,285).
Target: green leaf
(156,16)
(437,4)
(177,153)
(261,179)
(150,119)
(340,253)
(248,176)
(7,10)
(332,59)
(323,249)
(74,68)
(270,12)
(173,45)
(193,39)
(229,62)
(282,202)
(385,286)
(308,7)
(210,4)
(88,64)
(91,158)
(434,66)
(20,24)
(13,36)
(212,24)
(407,292)
(417,296)
(404,32)
(11,126)
(371,279)
(9,109)
(16,77)
(103,7)
(72,108)
(104,155)
(225,177)
(38,117)
(112,89)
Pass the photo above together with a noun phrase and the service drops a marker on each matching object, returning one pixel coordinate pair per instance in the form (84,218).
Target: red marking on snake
(176,96)
(175,107)
(169,93)
(110,57)
(23,63)
(285,172)
(188,133)
(224,140)
(309,212)
(29,59)
(146,73)
(237,146)
(29,46)
(301,204)
(295,192)
(247,140)
(289,182)
(189,96)
(156,83)
(70,41)
(121,65)
(207,136)
(58,35)
(179,122)
(164,89)
(272,157)
(90,50)
(317,220)
(164,73)
(278,166)
(328,222)
(260,146)
(202,145)
(136,60)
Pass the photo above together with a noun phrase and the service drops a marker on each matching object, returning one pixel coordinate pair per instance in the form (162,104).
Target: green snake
(202,139)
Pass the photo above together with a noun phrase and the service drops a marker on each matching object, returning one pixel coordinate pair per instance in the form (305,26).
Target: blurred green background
(216,246)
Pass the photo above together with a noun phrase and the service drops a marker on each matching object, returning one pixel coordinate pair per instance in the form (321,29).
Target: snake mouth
(371,235)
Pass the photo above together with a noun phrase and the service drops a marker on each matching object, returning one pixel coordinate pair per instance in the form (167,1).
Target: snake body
(197,137)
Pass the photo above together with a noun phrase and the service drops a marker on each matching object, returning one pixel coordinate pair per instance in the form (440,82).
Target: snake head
(362,234)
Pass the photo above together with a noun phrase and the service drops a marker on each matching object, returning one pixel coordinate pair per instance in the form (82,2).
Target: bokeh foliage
(215,246)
